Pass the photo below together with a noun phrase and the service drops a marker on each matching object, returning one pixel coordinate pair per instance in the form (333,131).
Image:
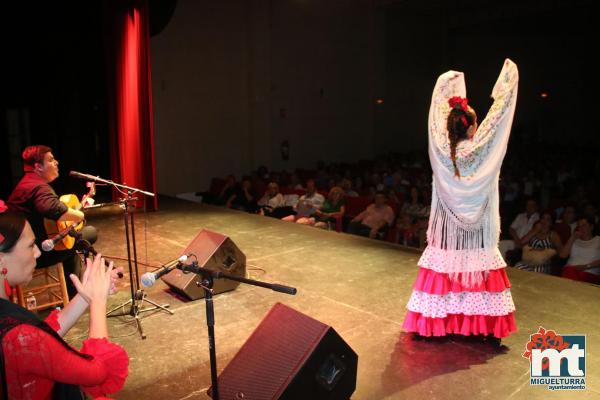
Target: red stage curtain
(127,43)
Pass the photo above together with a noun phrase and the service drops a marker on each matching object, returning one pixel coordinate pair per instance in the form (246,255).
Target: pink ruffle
(499,326)
(52,320)
(433,282)
(116,360)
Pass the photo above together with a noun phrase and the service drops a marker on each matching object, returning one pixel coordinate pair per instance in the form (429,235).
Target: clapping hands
(98,282)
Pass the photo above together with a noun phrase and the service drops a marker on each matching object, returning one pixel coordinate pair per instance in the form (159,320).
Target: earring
(7,288)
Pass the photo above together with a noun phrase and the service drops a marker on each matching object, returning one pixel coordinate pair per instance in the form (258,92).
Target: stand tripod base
(135,309)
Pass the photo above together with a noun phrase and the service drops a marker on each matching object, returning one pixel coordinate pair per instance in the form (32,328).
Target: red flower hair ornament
(460,103)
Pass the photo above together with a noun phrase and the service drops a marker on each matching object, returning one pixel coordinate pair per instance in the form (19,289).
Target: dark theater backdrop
(339,80)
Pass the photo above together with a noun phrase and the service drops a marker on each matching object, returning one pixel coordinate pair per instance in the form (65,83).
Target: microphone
(48,244)
(88,177)
(82,176)
(85,246)
(149,278)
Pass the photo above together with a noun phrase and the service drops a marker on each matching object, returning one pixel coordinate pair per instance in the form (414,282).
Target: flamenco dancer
(462,287)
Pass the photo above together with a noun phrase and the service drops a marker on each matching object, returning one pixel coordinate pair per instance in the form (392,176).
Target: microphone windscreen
(89,233)
(147,279)
(47,245)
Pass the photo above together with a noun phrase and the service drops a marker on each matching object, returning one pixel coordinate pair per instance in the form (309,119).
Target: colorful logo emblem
(556,361)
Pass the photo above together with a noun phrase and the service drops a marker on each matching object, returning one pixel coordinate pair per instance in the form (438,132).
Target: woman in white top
(583,250)
(462,287)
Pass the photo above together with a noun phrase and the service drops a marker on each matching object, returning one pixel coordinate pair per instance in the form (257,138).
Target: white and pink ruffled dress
(462,286)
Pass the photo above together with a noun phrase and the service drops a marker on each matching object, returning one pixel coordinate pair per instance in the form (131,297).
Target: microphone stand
(138,296)
(207,282)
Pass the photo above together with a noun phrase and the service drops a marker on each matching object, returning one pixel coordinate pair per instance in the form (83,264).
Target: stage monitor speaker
(290,356)
(213,251)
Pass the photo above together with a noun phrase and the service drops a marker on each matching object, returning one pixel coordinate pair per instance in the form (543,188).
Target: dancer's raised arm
(480,158)
(491,139)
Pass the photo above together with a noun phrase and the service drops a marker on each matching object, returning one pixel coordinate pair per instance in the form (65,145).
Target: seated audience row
(531,240)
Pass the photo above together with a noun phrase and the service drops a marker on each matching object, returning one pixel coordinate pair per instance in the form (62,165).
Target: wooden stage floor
(358,286)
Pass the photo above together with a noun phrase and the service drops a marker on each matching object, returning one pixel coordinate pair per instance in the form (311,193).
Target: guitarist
(35,199)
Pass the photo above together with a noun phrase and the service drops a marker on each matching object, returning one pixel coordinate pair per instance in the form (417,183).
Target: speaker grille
(272,356)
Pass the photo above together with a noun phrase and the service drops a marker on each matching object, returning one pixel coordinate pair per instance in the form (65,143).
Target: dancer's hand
(453,75)
(96,282)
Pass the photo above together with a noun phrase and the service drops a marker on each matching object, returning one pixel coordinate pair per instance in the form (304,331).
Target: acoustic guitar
(71,200)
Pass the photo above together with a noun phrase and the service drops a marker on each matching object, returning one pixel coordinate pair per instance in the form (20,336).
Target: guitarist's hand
(72,215)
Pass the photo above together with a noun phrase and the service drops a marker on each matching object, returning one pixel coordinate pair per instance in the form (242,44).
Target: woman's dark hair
(457,130)
(11,227)
(549,213)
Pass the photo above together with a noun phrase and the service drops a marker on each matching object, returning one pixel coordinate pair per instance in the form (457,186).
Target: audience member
(540,245)
(294,183)
(227,190)
(405,231)
(566,224)
(373,219)
(521,225)
(346,185)
(242,198)
(307,205)
(589,210)
(271,201)
(421,230)
(583,252)
(414,206)
(332,211)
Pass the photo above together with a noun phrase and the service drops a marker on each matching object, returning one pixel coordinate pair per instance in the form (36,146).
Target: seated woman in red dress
(35,362)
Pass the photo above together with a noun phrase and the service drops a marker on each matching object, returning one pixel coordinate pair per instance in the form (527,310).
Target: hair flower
(459,102)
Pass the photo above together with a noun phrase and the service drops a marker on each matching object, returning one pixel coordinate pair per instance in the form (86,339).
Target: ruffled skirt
(443,303)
